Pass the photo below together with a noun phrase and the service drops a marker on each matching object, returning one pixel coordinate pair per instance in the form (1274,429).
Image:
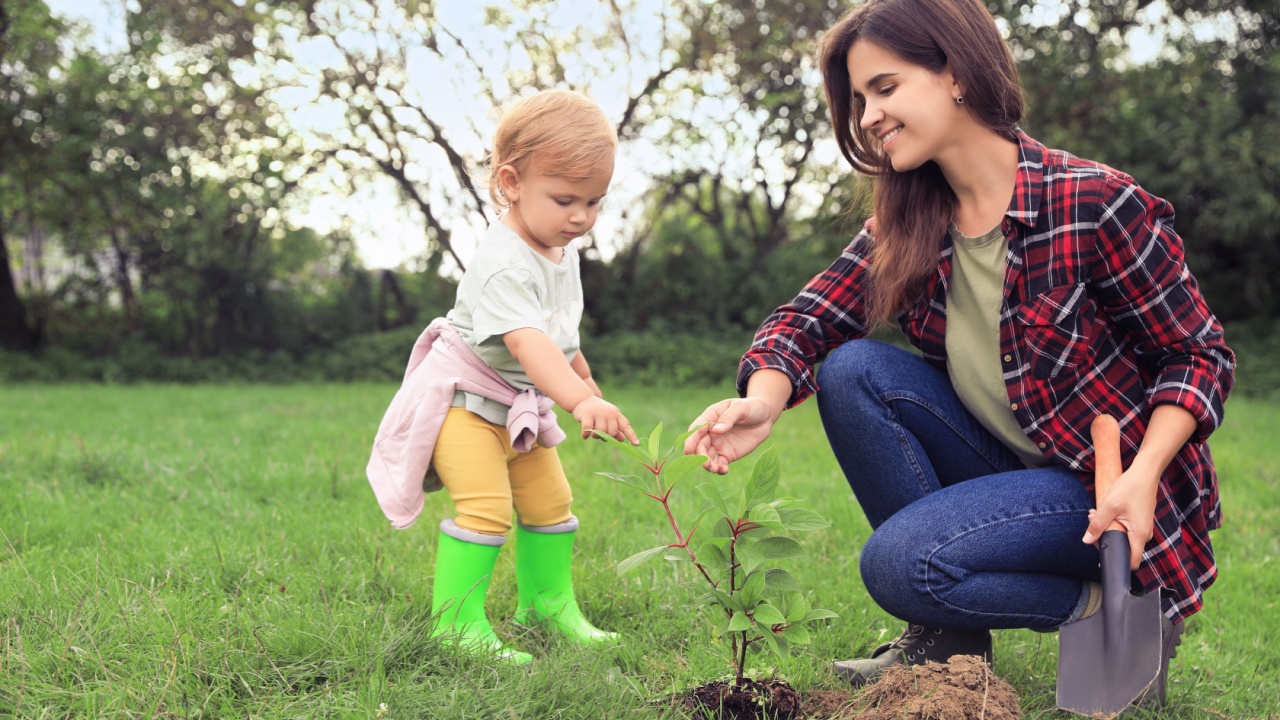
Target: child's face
(549,211)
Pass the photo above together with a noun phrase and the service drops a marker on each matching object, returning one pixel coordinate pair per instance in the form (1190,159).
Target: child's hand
(596,413)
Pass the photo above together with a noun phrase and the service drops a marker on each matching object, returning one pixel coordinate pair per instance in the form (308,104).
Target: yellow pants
(487,478)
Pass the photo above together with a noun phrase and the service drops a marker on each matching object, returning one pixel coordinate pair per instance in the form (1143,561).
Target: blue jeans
(964,535)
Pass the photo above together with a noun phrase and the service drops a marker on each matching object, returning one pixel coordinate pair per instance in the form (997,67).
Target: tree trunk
(16,331)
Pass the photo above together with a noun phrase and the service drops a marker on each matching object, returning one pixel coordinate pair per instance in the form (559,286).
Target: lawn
(215,551)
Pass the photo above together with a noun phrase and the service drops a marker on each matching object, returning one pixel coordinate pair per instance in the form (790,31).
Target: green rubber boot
(543,578)
(464,564)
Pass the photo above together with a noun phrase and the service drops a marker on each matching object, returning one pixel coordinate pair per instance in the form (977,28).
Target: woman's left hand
(1131,503)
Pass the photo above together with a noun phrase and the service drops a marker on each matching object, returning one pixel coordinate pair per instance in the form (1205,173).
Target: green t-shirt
(974,297)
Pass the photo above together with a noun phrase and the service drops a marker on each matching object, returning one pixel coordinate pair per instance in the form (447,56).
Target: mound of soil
(753,700)
(962,689)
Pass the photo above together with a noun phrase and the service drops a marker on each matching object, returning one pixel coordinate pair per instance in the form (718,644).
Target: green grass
(216,552)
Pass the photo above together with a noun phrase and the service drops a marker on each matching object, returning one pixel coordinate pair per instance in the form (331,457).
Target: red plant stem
(681,541)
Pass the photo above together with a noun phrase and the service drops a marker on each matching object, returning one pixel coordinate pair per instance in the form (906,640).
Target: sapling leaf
(626,447)
(765,516)
(818,615)
(655,442)
(739,622)
(678,469)
(718,597)
(752,590)
(630,481)
(712,552)
(797,634)
(776,548)
(770,640)
(748,556)
(802,519)
(639,559)
(675,554)
(712,493)
(763,485)
(795,607)
(780,580)
(768,614)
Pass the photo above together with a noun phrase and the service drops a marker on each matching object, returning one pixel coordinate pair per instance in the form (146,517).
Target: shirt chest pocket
(1060,331)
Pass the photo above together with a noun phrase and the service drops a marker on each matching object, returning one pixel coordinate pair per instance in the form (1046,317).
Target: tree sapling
(732,544)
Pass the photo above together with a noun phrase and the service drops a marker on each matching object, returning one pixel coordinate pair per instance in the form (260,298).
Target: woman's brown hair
(913,208)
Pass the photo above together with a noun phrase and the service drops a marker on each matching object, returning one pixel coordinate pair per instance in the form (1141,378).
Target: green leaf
(655,441)
(639,559)
(768,614)
(797,634)
(625,447)
(763,485)
(630,481)
(712,493)
(802,519)
(774,642)
(676,470)
(765,515)
(739,622)
(712,552)
(748,556)
(717,597)
(780,580)
(688,434)
(752,590)
(818,615)
(795,607)
(676,554)
(777,548)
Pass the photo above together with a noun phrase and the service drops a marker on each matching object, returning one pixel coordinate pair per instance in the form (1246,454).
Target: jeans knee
(890,566)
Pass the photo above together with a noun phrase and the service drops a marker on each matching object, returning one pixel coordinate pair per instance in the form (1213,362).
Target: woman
(1041,290)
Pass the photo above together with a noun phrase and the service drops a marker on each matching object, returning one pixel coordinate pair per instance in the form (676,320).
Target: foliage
(1193,125)
(759,604)
(666,356)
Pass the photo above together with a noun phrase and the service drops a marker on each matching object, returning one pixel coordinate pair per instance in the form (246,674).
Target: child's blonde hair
(556,132)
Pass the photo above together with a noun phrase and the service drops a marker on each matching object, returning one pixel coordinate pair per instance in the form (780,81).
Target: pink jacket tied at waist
(440,365)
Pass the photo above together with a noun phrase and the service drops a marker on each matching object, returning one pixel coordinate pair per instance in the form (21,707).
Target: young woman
(1041,290)
(474,413)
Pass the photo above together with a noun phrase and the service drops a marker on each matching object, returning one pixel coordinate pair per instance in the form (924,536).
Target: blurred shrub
(662,358)
(1257,347)
(657,356)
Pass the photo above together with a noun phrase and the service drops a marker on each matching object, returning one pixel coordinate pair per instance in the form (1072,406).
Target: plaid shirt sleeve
(1147,289)
(829,311)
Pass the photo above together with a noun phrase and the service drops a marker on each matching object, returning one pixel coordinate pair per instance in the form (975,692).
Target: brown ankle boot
(915,646)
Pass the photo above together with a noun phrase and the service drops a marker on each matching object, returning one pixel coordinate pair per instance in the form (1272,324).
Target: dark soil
(962,689)
(753,700)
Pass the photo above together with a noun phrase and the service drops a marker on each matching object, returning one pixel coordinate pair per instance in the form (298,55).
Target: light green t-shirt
(508,286)
(974,297)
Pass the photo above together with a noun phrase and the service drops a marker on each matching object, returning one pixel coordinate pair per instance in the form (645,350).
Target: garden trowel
(1111,658)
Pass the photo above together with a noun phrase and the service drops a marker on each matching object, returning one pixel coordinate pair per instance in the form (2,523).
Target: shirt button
(1043,446)
(1014,407)
(1008,358)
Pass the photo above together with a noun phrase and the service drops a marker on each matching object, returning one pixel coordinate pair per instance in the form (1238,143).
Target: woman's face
(910,111)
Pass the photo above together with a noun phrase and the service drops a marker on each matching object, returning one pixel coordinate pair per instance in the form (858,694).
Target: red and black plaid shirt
(1100,315)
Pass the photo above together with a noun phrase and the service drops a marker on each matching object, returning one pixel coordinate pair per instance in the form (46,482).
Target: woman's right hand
(730,430)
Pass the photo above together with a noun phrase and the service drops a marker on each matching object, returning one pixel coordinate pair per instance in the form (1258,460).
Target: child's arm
(551,373)
(580,366)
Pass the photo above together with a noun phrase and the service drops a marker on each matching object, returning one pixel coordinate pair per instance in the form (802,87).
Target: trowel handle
(1107,464)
